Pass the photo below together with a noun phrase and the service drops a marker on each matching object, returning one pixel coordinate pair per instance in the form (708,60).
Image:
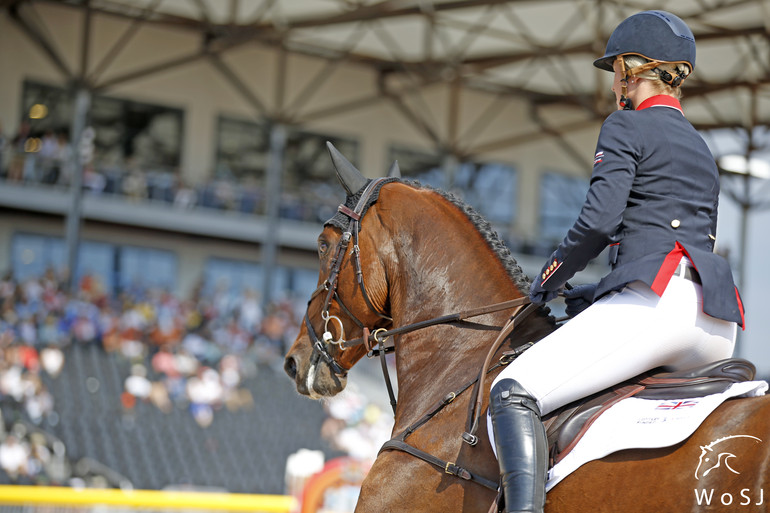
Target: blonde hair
(674,68)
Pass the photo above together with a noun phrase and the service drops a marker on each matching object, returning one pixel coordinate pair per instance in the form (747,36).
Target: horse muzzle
(313,375)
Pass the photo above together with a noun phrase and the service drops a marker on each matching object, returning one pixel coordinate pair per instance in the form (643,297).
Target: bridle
(323,344)
(369,338)
(329,286)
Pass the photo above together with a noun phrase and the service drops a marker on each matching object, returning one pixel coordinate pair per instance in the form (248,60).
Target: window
(125,131)
(97,260)
(32,255)
(303,282)
(309,190)
(139,268)
(561,198)
(241,159)
(242,148)
(234,277)
(423,166)
(114,267)
(488,187)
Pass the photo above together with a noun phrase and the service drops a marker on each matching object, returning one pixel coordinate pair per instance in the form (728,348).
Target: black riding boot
(522,448)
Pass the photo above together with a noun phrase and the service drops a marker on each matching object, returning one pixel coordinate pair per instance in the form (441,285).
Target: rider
(668,300)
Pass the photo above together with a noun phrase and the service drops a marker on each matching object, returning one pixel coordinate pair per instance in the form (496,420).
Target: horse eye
(322,247)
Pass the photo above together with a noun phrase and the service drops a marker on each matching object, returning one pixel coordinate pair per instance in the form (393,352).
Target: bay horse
(418,254)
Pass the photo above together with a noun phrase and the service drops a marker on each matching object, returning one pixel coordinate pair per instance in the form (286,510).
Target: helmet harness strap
(665,76)
(624,102)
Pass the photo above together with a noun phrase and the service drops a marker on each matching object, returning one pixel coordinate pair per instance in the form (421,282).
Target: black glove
(579,298)
(539,295)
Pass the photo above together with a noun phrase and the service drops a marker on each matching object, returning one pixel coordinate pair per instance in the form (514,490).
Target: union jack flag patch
(598,157)
(675,405)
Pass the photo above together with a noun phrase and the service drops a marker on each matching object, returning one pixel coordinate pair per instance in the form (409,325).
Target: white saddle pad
(646,423)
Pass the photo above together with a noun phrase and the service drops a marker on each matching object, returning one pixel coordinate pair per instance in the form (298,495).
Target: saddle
(567,425)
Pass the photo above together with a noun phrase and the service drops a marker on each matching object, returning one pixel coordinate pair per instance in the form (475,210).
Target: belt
(688,273)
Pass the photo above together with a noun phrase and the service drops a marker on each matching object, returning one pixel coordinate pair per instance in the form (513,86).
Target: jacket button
(675,223)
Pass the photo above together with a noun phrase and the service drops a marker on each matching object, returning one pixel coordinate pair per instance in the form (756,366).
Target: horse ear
(394,171)
(350,177)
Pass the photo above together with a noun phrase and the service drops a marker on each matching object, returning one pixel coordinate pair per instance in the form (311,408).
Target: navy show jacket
(653,198)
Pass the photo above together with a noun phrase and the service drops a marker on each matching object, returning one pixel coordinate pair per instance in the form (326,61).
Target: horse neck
(444,266)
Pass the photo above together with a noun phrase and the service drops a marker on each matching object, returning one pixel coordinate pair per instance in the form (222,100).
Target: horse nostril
(290,366)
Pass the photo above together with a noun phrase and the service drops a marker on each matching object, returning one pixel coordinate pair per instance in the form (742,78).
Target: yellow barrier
(49,495)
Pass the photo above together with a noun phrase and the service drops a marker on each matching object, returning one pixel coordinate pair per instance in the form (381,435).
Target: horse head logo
(711,459)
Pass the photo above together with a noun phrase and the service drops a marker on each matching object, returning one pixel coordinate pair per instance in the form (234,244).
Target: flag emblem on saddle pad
(598,157)
(675,405)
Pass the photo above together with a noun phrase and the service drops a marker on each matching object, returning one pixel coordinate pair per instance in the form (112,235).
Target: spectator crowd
(190,354)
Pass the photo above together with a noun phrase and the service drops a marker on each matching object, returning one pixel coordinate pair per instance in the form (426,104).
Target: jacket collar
(661,100)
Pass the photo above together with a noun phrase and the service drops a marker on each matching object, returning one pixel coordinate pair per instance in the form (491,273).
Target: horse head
(318,361)
(399,253)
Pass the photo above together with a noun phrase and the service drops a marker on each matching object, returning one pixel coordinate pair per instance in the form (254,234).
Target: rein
(446,319)
(381,335)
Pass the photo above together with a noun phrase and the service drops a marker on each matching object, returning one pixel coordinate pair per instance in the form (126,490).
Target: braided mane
(488,233)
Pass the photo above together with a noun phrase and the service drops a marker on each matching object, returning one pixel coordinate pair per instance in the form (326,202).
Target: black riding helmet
(655,35)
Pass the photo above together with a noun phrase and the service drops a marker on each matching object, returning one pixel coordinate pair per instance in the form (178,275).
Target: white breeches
(618,337)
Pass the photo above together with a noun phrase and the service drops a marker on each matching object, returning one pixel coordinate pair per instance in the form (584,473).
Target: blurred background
(163,179)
